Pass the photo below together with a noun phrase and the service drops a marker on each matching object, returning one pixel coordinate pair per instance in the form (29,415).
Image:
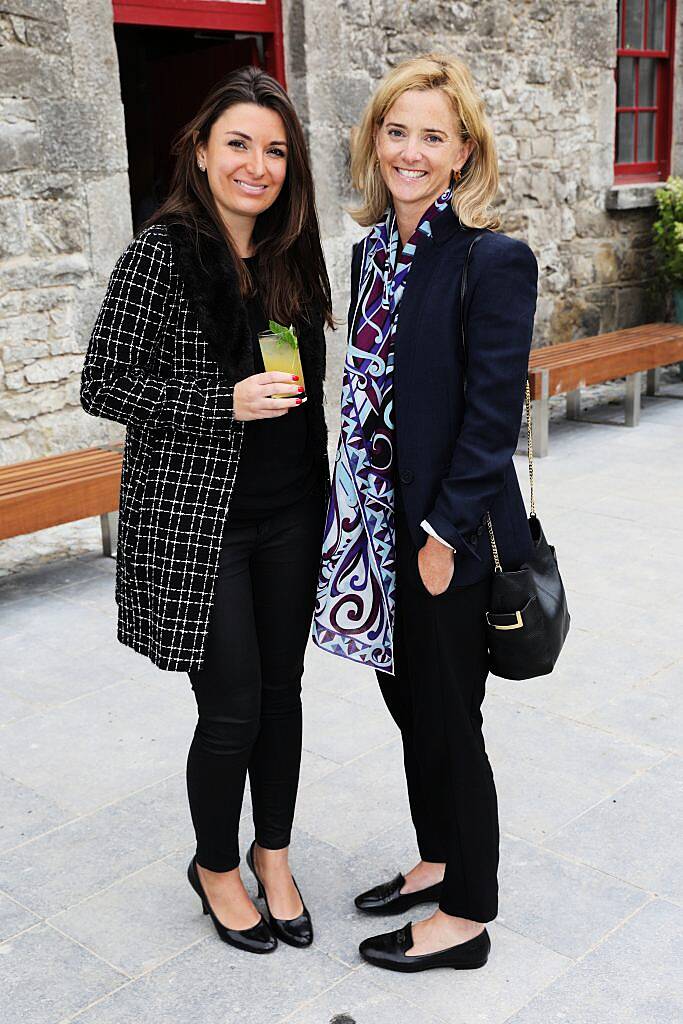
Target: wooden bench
(571,365)
(61,489)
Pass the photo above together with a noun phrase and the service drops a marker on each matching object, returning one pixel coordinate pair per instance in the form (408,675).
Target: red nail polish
(301,391)
(294,378)
(298,401)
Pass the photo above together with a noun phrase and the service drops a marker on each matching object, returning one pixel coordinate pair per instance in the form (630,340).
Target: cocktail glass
(280,356)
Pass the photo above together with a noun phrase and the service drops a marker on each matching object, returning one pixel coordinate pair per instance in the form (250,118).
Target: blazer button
(407,476)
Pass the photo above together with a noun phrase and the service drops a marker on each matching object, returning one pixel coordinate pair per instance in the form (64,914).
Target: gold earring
(457,175)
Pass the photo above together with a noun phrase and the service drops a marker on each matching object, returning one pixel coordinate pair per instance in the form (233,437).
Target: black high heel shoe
(296,932)
(258,939)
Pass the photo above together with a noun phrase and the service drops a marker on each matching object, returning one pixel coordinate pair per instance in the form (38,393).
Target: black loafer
(258,939)
(389,951)
(295,932)
(388,898)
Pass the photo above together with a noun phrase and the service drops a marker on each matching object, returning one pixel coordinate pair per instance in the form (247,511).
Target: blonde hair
(474,193)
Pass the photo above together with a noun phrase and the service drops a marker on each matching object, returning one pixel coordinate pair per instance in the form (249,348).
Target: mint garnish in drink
(285,335)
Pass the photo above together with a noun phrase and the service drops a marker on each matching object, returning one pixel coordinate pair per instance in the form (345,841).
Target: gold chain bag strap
(528,619)
(532,509)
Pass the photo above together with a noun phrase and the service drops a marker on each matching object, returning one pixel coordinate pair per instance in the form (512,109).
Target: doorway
(165,74)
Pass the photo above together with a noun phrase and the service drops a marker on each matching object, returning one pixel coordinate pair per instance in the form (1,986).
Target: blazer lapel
(410,313)
(208,273)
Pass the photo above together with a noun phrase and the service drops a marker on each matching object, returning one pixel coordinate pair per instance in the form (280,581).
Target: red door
(263,17)
(171,52)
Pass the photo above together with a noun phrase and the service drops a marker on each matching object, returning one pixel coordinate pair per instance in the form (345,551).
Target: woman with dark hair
(225,475)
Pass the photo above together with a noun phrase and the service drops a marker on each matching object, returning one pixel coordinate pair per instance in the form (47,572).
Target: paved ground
(100,926)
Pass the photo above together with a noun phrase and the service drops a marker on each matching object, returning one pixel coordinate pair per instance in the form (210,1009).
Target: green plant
(285,335)
(667,232)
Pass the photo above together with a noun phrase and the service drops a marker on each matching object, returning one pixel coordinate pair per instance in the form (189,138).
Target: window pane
(646,137)
(656,25)
(625,123)
(626,82)
(647,72)
(634,24)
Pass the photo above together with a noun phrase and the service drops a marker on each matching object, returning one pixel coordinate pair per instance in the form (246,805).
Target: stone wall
(64,214)
(546,70)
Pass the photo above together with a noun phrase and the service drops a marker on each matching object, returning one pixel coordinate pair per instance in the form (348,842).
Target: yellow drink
(281,357)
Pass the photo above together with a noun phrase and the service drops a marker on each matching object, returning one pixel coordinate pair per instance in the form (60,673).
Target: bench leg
(540,417)
(110,528)
(574,404)
(652,382)
(633,384)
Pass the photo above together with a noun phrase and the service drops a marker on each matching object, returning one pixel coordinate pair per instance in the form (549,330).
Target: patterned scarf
(354,616)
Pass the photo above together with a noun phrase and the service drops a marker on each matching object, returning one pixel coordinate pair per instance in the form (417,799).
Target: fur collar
(209,276)
(213,291)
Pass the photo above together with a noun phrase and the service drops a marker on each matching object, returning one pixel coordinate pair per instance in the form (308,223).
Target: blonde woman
(431,407)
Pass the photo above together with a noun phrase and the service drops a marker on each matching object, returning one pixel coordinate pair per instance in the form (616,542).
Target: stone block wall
(64,214)
(546,71)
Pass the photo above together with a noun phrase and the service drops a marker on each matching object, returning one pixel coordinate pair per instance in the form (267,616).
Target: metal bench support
(110,529)
(652,381)
(633,385)
(574,404)
(540,414)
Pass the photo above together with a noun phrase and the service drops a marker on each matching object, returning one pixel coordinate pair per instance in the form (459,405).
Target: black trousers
(248,689)
(435,697)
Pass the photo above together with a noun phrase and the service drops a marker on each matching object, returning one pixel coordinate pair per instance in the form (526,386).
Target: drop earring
(457,175)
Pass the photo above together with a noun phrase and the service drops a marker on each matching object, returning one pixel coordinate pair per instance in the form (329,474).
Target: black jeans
(435,697)
(248,689)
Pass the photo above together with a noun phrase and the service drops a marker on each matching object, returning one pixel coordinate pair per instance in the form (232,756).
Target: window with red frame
(644,90)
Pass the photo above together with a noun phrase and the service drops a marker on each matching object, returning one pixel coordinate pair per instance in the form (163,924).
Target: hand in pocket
(436,565)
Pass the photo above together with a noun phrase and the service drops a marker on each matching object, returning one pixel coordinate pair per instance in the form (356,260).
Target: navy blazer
(454,446)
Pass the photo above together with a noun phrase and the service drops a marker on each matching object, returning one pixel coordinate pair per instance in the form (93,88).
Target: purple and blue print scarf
(354,615)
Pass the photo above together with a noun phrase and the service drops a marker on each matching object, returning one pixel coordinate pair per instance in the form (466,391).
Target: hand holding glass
(280,356)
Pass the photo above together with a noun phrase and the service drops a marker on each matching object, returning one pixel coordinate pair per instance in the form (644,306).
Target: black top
(276,465)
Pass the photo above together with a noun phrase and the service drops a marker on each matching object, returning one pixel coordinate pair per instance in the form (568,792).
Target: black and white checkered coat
(170,341)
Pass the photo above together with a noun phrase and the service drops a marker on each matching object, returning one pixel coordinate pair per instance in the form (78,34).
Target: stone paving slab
(14,918)
(99,725)
(635,833)
(652,712)
(633,977)
(356,998)
(565,905)
(334,729)
(45,977)
(76,860)
(554,768)
(13,707)
(26,814)
(211,983)
(98,923)
(53,675)
(357,801)
(138,922)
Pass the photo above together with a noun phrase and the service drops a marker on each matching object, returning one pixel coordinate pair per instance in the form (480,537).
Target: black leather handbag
(529,619)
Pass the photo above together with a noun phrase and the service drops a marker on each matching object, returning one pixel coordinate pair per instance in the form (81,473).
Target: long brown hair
(292,273)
